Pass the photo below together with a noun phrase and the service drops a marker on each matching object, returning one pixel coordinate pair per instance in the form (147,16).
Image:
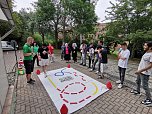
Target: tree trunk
(42,34)
(56,36)
(133,51)
(64,18)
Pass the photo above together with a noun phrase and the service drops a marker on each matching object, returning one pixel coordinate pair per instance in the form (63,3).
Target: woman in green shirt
(35,48)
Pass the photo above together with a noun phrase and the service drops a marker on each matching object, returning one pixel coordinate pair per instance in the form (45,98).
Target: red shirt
(66,50)
(51,49)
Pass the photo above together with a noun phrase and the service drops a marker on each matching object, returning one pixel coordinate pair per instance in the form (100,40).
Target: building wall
(3,80)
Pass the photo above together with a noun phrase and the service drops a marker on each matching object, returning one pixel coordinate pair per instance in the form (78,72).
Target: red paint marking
(82,84)
(75,74)
(84,88)
(74,93)
(66,93)
(73,103)
(58,89)
(81,76)
(71,84)
(66,101)
(61,96)
(81,101)
(81,91)
(66,87)
(62,91)
(88,97)
(83,79)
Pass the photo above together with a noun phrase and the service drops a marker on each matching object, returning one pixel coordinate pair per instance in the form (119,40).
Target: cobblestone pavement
(130,72)
(33,99)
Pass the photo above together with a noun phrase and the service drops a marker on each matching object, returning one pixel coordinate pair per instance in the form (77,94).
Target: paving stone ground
(33,99)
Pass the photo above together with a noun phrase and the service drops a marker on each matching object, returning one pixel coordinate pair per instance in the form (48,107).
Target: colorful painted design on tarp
(71,87)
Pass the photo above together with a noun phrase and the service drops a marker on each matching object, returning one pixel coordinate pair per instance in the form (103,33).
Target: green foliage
(131,19)
(137,40)
(38,39)
(83,14)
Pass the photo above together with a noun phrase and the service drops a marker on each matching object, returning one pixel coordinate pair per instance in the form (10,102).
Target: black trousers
(122,72)
(99,63)
(28,66)
(35,57)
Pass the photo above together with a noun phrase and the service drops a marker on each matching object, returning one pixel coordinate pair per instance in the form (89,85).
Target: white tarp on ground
(71,87)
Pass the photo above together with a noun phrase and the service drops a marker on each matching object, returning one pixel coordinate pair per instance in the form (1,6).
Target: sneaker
(91,70)
(99,77)
(146,102)
(102,76)
(135,92)
(45,75)
(81,63)
(32,80)
(97,72)
(118,82)
(84,64)
(120,86)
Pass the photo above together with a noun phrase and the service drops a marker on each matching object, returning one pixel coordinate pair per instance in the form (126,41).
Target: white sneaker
(45,74)
(97,72)
(120,86)
(118,82)
(91,70)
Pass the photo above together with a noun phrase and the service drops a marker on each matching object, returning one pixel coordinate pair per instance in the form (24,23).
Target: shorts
(28,66)
(44,62)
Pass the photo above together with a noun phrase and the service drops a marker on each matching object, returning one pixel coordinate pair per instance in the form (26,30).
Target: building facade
(5,14)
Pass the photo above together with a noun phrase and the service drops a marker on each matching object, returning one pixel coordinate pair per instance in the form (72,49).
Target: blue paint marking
(61,73)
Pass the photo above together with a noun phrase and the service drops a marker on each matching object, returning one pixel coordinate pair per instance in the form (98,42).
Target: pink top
(66,50)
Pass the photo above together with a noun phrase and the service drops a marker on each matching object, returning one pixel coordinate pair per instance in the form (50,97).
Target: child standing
(51,52)
(104,61)
(83,49)
(74,52)
(44,60)
(122,63)
(91,56)
(62,51)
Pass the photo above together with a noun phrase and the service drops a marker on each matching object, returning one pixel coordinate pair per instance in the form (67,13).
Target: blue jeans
(144,79)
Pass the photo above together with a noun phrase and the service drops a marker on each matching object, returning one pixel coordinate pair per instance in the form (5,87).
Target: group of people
(31,51)
(95,55)
(99,55)
(143,73)
(66,52)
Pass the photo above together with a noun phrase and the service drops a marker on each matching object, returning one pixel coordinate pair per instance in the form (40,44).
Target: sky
(101,6)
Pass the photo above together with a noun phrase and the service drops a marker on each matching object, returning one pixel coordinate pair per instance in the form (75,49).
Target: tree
(83,15)
(128,18)
(48,16)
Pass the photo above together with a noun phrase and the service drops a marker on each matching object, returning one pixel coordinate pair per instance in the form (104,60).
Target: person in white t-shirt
(122,63)
(143,73)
